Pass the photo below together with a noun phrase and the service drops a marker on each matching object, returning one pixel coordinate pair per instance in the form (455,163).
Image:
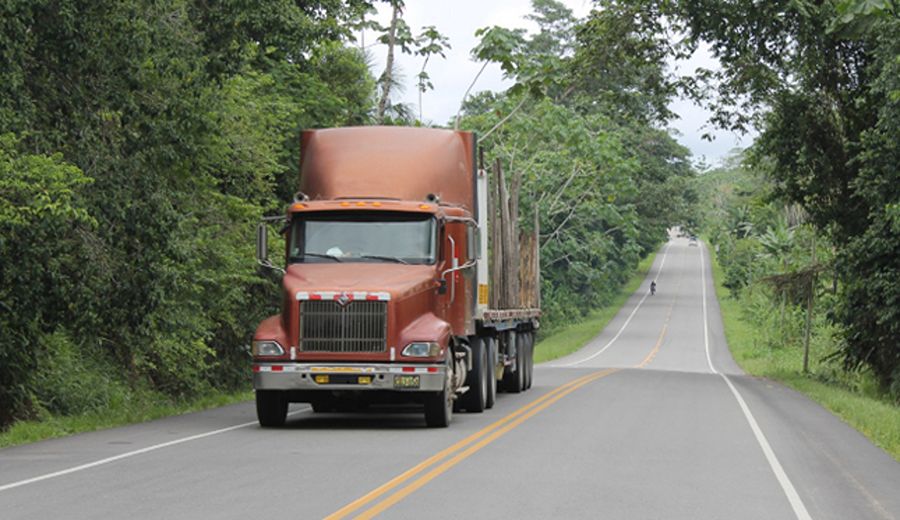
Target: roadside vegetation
(854,396)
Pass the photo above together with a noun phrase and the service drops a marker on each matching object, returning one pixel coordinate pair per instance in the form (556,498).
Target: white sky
(459,19)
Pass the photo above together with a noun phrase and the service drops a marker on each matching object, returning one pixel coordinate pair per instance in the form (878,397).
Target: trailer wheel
(271,408)
(529,360)
(514,380)
(490,345)
(475,399)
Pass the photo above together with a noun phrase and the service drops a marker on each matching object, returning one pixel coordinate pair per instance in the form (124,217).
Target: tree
(820,80)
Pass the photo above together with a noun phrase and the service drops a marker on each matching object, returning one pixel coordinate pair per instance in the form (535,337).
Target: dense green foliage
(775,266)
(140,142)
(822,82)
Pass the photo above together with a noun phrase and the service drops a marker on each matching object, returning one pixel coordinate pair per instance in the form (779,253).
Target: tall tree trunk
(387,79)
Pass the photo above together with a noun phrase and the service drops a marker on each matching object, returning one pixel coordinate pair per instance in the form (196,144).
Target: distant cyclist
(652,288)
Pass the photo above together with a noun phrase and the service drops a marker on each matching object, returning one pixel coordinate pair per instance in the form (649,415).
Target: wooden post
(508,246)
(514,265)
(497,243)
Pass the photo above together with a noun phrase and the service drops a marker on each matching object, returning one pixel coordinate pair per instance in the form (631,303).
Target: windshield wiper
(390,258)
(294,258)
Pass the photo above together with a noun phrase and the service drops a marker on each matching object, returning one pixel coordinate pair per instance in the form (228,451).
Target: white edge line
(790,491)
(705,320)
(622,329)
(131,454)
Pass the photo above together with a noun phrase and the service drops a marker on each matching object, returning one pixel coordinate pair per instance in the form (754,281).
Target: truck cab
(381,284)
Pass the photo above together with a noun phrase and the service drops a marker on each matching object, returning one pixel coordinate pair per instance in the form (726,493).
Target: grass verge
(849,397)
(572,337)
(143,408)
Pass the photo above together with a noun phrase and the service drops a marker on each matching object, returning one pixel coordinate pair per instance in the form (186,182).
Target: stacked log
(515,259)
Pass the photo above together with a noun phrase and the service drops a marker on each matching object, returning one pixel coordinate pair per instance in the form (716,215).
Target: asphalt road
(652,419)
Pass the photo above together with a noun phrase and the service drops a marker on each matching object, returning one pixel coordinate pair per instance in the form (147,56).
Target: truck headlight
(266,348)
(422,349)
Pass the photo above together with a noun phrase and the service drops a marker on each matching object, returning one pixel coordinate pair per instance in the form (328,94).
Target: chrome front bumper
(359,377)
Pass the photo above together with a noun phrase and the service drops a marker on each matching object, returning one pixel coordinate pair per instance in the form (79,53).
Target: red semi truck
(386,291)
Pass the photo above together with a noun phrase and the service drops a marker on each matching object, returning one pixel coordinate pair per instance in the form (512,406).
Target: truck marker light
(345,204)
(322,379)
(360,203)
(277,368)
(424,206)
(364,380)
(409,369)
(315,296)
(432,369)
(298,205)
(376,204)
(256,368)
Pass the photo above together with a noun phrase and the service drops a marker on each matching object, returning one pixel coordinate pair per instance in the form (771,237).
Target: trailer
(406,279)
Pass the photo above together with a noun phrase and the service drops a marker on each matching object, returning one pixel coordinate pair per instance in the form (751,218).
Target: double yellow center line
(440,462)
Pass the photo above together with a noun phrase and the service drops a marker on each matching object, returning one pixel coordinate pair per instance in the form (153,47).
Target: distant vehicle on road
(692,241)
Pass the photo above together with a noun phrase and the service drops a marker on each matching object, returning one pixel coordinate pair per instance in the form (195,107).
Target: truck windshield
(406,238)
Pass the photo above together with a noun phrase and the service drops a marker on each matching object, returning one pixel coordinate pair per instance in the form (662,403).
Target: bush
(70,380)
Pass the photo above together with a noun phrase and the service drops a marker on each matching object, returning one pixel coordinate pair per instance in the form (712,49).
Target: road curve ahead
(652,419)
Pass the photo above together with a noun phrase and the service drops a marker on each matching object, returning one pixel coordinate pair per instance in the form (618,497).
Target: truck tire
(271,408)
(514,380)
(323,404)
(439,405)
(529,359)
(439,408)
(475,399)
(491,373)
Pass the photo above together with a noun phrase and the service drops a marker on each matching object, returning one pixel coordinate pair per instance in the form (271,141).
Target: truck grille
(328,326)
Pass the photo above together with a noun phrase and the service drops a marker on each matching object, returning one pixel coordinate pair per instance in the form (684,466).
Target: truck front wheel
(475,399)
(271,408)
(439,405)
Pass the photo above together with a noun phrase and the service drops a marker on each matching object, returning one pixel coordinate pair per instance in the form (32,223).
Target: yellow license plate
(405,381)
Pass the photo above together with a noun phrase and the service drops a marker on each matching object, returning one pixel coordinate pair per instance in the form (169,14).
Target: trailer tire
(271,408)
(475,399)
(529,360)
(514,380)
(490,345)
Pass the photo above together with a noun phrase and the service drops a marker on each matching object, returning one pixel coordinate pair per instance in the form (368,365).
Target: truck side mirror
(262,247)
(262,243)
(442,286)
